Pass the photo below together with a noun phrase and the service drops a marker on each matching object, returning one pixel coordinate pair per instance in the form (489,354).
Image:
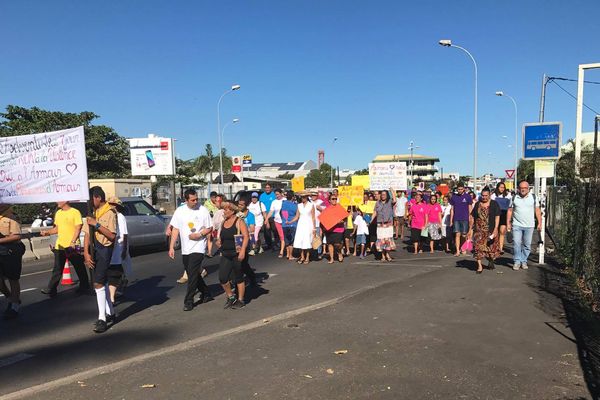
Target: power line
(569,93)
(571,80)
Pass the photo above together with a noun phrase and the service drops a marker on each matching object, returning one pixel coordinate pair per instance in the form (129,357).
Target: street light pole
(412,147)
(234,87)
(500,93)
(331,166)
(448,43)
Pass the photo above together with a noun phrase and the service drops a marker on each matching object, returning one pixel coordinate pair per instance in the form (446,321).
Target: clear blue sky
(370,73)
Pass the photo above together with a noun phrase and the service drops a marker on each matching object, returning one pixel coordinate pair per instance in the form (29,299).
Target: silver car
(145,225)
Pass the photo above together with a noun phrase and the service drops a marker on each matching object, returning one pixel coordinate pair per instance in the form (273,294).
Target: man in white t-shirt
(259,211)
(195,225)
(400,214)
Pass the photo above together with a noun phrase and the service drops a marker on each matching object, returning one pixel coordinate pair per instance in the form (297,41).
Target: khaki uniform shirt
(8,224)
(109,221)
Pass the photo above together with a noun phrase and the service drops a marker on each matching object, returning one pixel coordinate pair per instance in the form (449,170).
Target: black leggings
(230,269)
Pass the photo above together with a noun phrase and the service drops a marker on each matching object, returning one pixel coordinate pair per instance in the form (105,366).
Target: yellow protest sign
(350,195)
(298,184)
(361,180)
(368,208)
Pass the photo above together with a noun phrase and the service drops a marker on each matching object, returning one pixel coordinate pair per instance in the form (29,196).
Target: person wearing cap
(104,222)
(67,227)
(267,198)
(11,260)
(260,215)
(120,259)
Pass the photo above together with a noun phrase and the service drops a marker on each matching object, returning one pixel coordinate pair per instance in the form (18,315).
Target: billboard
(152,156)
(236,164)
(247,160)
(386,175)
(542,140)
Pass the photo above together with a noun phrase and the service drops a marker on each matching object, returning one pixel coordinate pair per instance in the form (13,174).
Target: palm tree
(208,162)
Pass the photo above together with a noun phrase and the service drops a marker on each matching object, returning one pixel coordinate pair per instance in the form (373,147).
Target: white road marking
(5,362)
(24,290)
(180,347)
(36,273)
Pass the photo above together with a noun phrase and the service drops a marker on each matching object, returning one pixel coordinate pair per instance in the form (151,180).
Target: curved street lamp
(233,88)
(448,43)
(502,94)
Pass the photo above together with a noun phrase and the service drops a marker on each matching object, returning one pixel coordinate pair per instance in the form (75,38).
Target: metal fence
(573,221)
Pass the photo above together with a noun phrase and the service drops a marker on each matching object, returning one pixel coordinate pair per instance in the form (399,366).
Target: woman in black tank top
(232,254)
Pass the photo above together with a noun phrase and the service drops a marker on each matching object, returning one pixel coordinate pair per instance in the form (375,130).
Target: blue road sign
(542,140)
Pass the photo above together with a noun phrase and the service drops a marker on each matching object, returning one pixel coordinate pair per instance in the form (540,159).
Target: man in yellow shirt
(67,224)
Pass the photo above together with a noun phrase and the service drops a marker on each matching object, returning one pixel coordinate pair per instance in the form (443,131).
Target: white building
(273,170)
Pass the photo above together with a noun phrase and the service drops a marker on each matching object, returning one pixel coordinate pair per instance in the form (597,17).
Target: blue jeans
(521,243)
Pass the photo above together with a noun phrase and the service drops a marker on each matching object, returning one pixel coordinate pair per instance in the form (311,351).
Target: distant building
(587,139)
(273,170)
(423,167)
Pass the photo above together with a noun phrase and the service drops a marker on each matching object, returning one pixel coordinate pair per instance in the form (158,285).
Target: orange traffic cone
(66,276)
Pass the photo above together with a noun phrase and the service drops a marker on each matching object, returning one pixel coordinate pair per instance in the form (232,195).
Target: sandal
(300,261)
(306,262)
(280,256)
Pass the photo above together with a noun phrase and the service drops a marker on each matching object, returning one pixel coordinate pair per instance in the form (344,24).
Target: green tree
(209,163)
(107,152)
(319,177)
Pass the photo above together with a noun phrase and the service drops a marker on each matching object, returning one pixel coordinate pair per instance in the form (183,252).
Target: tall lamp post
(502,94)
(448,43)
(331,166)
(233,88)
(412,148)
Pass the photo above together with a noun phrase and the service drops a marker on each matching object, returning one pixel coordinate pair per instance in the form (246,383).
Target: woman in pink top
(418,219)
(434,221)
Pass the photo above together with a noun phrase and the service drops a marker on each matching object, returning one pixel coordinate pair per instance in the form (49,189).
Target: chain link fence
(573,222)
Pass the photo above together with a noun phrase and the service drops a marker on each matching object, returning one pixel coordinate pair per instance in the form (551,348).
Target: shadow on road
(557,297)
(144,294)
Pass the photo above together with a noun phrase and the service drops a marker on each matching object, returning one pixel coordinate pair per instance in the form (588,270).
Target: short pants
(461,227)
(102,256)
(361,239)
(114,274)
(11,266)
(289,232)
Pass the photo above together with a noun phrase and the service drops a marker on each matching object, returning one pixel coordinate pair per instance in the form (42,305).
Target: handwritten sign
(43,167)
(369,207)
(298,184)
(388,175)
(350,195)
(361,180)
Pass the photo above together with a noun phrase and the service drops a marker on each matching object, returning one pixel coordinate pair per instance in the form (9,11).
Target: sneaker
(260,251)
(49,292)
(112,318)
(229,302)
(524,266)
(516,266)
(204,273)
(182,280)
(100,326)
(251,252)
(237,304)
(188,307)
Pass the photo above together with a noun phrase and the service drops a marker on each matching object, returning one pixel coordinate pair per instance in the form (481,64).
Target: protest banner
(350,195)
(298,184)
(368,208)
(386,175)
(43,167)
(332,215)
(361,180)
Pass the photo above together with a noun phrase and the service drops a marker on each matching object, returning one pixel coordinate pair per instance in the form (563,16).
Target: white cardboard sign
(43,167)
(388,175)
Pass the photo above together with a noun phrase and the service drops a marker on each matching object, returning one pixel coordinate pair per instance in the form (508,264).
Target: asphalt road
(423,326)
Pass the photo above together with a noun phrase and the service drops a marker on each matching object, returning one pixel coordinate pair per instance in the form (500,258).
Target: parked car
(246,195)
(146,226)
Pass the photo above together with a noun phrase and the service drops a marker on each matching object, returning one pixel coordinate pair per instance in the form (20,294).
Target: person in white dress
(305,230)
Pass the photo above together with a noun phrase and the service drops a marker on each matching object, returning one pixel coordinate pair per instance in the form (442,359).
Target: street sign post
(542,141)
(509,173)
